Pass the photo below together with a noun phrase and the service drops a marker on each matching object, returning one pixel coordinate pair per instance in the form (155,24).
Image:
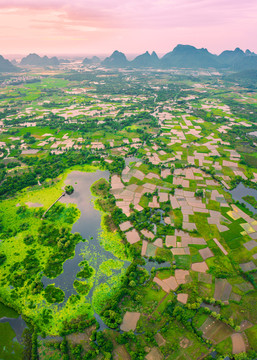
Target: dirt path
(160,302)
(63,194)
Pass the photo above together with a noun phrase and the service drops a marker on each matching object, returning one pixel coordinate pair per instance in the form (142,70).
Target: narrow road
(63,194)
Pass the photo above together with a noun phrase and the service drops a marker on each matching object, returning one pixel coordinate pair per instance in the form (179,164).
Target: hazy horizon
(78,56)
(58,27)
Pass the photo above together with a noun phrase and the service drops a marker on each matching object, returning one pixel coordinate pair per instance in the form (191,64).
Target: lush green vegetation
(173,246)
(53,294)
(69,189)
(251,200)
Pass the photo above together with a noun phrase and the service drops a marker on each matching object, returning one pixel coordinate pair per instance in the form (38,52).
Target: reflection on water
(130,159)
(149,265)
(240,191)
(18,325)
(88,225)
(11,329)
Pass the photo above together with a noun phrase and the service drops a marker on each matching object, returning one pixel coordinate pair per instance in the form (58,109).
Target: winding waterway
(88,225)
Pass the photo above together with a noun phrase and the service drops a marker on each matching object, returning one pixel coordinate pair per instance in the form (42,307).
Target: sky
(87,27)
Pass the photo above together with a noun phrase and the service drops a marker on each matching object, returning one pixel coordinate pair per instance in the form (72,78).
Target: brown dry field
(215,330)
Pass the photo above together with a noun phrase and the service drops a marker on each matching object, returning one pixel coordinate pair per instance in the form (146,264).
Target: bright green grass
(199,319)
(195,256)
(6,311)
(233,236)
(40,131)
(164,274)
(152,295)
(144,201)
(252,337)
(108,266)
(203,226)
(48,83)
(165,254)
(9,349)
(225,346)
(163,304)
(178,217)
(183,261)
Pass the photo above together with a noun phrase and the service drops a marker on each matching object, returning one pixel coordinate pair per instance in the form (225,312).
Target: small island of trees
(69,189)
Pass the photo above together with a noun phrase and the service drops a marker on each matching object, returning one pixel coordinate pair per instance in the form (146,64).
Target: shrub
(53,294)
(69,189)
(2,258)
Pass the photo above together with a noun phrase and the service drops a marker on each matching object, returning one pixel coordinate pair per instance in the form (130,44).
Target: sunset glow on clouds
(131,26)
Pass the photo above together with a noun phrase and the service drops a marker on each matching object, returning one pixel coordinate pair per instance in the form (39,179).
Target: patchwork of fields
(171,271)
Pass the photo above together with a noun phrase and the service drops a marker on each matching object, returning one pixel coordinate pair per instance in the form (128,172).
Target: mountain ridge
(7,66)
(36,60)
(117,59)
(186,56)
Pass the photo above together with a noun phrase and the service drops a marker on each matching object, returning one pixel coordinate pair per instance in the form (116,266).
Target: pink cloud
(130,24)
(141,13)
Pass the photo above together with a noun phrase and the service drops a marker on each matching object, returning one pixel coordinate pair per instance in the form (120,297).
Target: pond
(149,265)
(89,227)
(131,159)
(240,191)
(11,329)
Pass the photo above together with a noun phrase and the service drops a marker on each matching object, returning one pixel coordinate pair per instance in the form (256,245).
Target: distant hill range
(64,61)
(182,56)
(186,56)
(146,60)
(117,59)
(93,60)
(7,66)
(36,60)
